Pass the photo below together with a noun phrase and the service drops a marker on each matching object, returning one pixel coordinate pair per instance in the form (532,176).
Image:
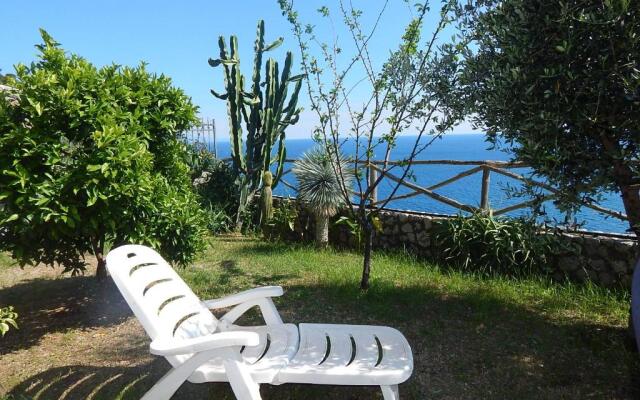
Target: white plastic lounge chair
(202,348)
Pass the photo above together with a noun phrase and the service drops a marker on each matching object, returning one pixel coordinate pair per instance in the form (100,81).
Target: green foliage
(283,223)
(214,180)
(493,245)
(560,81)
(6,79)
(91,157)
(218,220)
(8,319)
(265,113)
(353,227)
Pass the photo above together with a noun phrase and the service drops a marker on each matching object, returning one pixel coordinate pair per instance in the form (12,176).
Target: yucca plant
(320,188)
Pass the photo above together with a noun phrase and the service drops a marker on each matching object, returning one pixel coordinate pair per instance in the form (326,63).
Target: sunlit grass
(303,265)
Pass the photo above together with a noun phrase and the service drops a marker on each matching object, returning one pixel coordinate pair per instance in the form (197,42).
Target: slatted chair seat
(353,354)
(278,344)
(202,348)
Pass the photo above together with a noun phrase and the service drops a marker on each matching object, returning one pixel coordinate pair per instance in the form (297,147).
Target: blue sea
(466,190)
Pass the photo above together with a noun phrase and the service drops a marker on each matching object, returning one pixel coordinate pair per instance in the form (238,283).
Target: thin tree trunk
(322,230)
(634,317)
(101,271)
(98,251)
(631,201)
(368,248)
(625,180)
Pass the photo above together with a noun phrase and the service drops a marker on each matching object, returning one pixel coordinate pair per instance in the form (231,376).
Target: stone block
(605,279)
(407,227)
(619,267)
(580,275)
(568,264)
(598,265)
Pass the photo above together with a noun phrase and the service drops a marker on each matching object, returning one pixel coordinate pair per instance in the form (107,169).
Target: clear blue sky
(177,37)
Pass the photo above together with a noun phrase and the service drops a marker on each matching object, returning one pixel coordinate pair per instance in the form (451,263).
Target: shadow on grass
(465,347)
(79,382)
(471,345)
(108,383)
(57,305)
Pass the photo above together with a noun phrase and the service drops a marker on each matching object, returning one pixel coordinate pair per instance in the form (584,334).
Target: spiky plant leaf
(318,184)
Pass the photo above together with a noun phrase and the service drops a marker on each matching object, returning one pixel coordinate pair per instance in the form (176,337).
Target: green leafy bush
(91,158)
(495,245)
(218,220)
(283,223)
(215,182)
(8,319)
(216,185)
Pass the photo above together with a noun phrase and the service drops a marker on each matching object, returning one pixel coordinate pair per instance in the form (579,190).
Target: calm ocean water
(466,190)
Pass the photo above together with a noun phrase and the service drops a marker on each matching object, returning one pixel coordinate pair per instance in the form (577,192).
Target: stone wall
(605,259)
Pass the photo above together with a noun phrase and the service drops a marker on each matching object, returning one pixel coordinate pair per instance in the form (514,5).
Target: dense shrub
(91,158)
(495,245)
(215,182)
(282,226)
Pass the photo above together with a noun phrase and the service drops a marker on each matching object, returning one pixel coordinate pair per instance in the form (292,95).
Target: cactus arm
(254,106)
(234,79)
(284,81)
(275,44)
(268,140)
(257,60)
(291,110)
(282,155)
(220,96)
(267,198)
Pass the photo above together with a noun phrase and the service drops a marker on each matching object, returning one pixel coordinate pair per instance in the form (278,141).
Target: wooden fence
(203,135)
(486,168)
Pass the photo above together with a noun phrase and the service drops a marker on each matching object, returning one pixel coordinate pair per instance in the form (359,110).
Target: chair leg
(172,380)
(390,392)
(242,384)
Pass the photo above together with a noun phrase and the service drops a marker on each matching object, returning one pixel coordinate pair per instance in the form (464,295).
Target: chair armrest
(170,347)
(243,297)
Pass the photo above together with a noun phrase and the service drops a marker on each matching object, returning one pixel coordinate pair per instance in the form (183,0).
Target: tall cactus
(266,115)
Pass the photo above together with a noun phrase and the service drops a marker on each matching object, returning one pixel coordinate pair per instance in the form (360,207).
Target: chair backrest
(165,306)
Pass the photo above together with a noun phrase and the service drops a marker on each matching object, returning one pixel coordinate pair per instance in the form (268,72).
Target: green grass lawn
(472,337)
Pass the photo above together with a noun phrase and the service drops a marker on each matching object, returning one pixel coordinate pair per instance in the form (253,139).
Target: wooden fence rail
(484,167)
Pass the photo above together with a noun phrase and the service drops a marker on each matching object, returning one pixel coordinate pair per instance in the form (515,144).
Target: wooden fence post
(373,177)
(484,195)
